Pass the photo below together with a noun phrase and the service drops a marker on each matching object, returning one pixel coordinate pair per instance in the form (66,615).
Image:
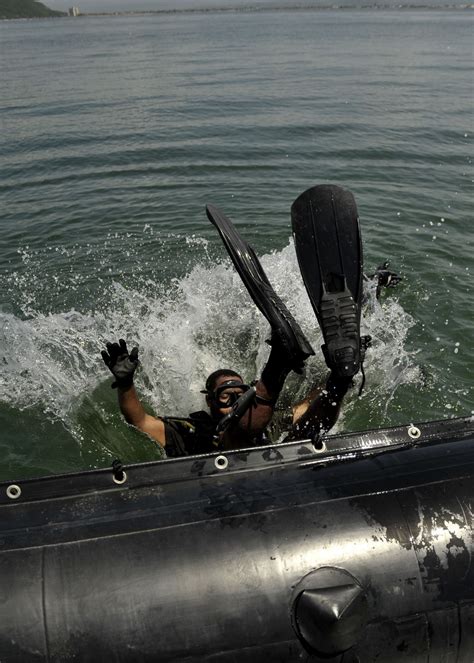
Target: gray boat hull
(359,550)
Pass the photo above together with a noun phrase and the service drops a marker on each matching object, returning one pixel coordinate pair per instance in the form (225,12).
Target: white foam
(185,330)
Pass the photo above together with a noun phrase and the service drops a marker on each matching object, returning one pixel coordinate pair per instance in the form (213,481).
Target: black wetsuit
(189,436)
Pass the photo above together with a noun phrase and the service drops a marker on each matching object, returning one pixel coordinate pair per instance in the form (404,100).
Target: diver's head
(223,388)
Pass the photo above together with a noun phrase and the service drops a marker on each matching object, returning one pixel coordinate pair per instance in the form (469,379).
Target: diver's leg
(301,407)
(322,412)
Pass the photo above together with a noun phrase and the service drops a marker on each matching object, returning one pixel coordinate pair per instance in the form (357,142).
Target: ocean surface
(115,133)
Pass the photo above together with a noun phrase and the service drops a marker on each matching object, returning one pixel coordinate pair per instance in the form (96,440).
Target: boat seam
(43,595)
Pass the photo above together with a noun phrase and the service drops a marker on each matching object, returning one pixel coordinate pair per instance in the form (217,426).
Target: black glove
(386,278)
(121,364)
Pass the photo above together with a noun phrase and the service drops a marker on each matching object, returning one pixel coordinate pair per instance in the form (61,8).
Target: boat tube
(356,548)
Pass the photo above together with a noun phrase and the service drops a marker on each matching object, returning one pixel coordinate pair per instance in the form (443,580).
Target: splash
(185,327)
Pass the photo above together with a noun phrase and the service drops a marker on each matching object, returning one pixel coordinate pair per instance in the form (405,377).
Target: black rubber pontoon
(359,549)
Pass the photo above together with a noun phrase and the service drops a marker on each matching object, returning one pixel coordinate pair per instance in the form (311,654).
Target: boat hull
(360,549)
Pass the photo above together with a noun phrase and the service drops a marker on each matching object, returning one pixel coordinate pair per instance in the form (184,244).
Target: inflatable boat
(358,548)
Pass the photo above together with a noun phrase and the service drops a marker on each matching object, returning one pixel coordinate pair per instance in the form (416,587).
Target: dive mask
(229,392)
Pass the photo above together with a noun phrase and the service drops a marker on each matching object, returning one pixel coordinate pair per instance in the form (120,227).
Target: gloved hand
(121,364)
(386,278)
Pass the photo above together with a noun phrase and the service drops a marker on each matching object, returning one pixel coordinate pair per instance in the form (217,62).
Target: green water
(115,132)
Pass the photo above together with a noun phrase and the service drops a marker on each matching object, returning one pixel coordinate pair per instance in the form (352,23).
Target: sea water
(114,134)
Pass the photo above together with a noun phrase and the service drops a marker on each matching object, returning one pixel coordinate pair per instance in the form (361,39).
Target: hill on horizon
(36,9)
(26,9)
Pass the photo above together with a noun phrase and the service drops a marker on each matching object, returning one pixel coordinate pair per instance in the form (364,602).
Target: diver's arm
(122,364)
(135,414)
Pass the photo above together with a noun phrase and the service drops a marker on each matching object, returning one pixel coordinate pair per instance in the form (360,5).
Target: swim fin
(284,327)
(329,250)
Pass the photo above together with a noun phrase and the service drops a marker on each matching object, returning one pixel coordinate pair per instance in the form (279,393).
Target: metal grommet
(319,446)
(414,432)
(221,462)
(13,491)
(122,480)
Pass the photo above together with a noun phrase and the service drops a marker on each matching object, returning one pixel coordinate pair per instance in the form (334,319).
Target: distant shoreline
(220,10)
(216,10)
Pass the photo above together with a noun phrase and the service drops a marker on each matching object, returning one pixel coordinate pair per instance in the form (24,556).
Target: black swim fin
(329,250)
(284,327)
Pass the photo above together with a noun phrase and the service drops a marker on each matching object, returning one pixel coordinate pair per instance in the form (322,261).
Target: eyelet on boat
(13,491)
(221,462)
(319,446)
(122,480)
(414,432)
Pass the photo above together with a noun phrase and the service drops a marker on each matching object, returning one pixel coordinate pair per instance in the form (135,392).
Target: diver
(329,250)
(196,434)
